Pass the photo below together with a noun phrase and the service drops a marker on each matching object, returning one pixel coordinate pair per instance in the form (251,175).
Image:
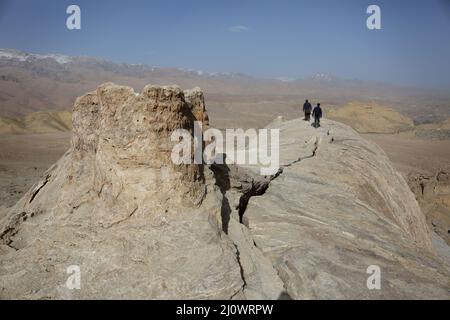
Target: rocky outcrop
(139,226)
(115,205)
(336,208)
(433,194)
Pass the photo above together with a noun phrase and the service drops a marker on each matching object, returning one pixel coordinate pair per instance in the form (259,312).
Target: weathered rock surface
(336,208)
(139,226)
(433,194)
(115,205)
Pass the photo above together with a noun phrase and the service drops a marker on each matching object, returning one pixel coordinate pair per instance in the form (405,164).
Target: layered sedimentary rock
(139,226)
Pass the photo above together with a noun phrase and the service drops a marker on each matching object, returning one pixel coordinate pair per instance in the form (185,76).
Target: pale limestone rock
(115,205)
(337,207)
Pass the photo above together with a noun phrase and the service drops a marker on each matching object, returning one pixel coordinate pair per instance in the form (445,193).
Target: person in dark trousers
(317,114)
(307,108)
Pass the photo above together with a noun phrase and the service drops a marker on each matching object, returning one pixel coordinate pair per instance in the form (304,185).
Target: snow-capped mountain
(12,54)
(322,77)
(30,82)
(19,56)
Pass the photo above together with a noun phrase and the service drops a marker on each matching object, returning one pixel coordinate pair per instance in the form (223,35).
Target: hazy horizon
(312,76)
(263,39)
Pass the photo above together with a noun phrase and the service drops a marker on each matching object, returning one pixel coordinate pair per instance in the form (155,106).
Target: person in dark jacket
(307,108)
(317,114)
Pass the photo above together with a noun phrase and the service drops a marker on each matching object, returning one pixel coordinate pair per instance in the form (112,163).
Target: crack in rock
(11,228)
(38,189)
(237,183)
(262,186)
(238,258)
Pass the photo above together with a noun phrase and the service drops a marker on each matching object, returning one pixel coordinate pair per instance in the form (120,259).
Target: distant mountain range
(36,82)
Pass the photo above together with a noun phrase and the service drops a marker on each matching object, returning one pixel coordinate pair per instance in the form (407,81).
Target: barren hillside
(30,83)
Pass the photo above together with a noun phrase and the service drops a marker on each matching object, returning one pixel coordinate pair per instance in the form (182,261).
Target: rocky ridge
(139,226)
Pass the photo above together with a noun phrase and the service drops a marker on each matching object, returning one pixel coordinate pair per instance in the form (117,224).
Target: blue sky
(262,38)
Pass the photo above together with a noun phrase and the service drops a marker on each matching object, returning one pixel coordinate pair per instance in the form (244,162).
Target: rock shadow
(222,175)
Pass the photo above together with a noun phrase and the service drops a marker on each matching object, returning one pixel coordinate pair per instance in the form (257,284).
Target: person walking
(307,108)
(317,114)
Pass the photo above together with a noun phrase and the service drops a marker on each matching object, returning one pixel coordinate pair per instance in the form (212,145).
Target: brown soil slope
(371,118)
